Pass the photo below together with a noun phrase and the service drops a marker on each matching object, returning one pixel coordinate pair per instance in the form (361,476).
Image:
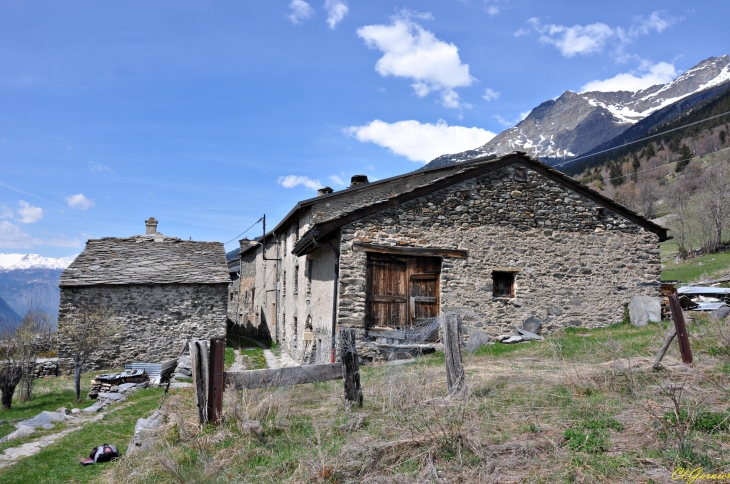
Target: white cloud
(589,39)
(299,11)
(337,180)
(97,167)
(492,10)
(28,213)
(291,181)
(503,121)
(577,39)
(644,26)
(5,212)
(410,51)
(420,142)
(645,76)
(520,32)
(79,201)
(12,237)
(336,11)
(490,95)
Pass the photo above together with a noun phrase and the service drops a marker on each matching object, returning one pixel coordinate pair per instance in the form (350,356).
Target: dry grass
(511,426)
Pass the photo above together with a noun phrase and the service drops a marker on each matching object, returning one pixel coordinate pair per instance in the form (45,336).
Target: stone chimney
(358,180)
(324,191)
(151,225)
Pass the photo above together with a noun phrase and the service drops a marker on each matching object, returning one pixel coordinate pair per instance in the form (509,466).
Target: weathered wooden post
(199,361)
(350,367)
(216,380)
(452,350)
(682,335)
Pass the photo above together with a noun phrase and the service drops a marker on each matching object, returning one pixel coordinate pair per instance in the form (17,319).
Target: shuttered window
(401,291)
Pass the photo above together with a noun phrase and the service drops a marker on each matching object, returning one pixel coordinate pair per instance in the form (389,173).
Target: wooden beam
(410,251)
(455,376)
(682,335)
(199,361)
(294,375)
(215,380)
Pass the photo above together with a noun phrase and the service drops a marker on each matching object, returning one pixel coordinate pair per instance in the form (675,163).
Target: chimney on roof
(358,180)
(151,225)
(324,191)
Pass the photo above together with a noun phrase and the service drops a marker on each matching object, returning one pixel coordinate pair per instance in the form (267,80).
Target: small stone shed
(163,289)
(496,239)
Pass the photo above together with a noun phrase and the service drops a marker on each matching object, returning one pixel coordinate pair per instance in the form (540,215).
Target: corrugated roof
(153,259)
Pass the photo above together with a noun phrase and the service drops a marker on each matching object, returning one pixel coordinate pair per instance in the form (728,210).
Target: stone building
(496,239)
(163,290)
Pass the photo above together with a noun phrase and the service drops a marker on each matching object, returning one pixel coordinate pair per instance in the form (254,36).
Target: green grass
(60,462)
(229,357)
(695,268)
(50,394)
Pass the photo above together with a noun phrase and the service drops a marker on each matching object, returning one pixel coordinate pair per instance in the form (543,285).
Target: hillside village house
(164,290)
(496,239)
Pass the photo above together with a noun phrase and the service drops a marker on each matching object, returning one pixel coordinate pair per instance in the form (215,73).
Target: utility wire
(662,166)
(237,236)
(638,140)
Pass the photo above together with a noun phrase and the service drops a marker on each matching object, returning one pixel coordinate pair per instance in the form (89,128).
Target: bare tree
(19,347)
(681,200)
(85,332)
(714,205)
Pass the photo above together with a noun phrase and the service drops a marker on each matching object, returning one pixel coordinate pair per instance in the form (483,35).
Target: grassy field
(582,406)
(59,462)
(711,265)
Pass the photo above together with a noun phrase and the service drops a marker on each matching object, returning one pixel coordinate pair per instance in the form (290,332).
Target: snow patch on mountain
(11,262)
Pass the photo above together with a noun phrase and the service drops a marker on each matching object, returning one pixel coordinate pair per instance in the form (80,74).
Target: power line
(662,166)
(642,139)
(237,236)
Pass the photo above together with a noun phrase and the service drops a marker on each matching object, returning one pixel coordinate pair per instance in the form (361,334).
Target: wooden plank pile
(104,383)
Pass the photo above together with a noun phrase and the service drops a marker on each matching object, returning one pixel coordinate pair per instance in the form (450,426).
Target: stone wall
(157,319)
(577,263)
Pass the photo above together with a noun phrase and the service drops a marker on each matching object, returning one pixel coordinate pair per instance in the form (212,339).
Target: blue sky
(206,115)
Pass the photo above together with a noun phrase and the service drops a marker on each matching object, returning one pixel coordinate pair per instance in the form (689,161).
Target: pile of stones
(184,368)
(528,332)
(46,367)
(114,394)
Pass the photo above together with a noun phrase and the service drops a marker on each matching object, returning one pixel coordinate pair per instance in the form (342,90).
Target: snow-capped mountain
(575,123)
(30,281)
(10,262)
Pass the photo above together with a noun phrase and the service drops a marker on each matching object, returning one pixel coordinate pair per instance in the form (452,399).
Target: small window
(503,284)
(296,280)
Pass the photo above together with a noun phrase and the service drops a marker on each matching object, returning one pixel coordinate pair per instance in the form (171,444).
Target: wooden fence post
(452,350)
(682,335)
(216,380)
(199,361)
(350,367)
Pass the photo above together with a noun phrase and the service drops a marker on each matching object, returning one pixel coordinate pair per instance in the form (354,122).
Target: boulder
(93,408)
(512,338)
(114,397)
(720,312)
(528,336)
(532,325)
(42,419)
(477,339)
(146,431)
(643,309)
(178,385)
(22,431)
(124,387)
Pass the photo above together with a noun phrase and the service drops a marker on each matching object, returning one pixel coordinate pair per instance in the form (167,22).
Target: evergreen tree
(635,164)
(684,156)
(650,151)
(616,175)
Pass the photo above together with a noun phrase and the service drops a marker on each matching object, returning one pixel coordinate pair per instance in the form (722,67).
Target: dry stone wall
(577,263)
(157,319)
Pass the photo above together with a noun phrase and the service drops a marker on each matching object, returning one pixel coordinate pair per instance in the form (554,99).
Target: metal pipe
(336,252)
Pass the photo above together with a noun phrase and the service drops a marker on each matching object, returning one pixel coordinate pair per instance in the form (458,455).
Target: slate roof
(471,170)
(153,259)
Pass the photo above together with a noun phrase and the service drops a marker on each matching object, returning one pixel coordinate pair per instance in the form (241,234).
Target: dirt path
(237,365)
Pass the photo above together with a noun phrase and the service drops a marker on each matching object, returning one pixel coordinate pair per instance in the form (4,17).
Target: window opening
(503,284)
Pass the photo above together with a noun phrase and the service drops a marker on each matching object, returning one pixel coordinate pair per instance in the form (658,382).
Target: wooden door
(387,299)
(402,291)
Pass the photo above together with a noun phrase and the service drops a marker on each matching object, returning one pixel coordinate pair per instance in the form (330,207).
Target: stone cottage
(496,239)
(163,289)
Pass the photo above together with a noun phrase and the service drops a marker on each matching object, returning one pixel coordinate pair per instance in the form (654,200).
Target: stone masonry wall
(157,319)
(578,263)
